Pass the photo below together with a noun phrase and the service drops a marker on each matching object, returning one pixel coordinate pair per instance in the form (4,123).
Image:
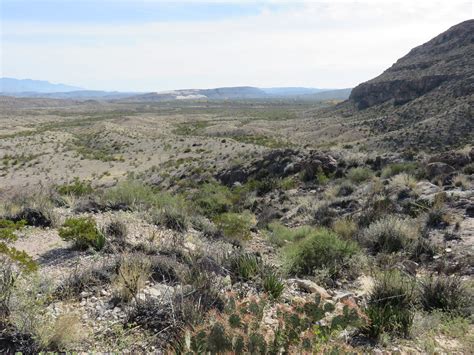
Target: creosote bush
(76,188)
(360,174)
(7,236)
(83,232)
(319,249)
(236,226)
(213,199)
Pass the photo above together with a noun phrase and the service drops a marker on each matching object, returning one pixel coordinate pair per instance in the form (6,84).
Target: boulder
(311,287)
(438,168)
(454,159)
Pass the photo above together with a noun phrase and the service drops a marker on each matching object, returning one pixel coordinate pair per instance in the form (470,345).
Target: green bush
(389,234)
(445,293)
(235,226)
(213,199)
(281,235)
(7,235)
(319,249)
(130,194)
(397,168)
(83,232)
(76,188)
(345,227)
(360,174)
(390,305)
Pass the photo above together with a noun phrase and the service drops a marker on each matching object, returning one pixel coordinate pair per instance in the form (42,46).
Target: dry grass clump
(345,227)
(390,234)
(63,334)
(390,305)
(132,274)
(462,181)
(445,293)
(403,181)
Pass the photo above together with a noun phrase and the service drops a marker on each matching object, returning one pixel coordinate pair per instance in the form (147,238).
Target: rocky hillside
(425,98)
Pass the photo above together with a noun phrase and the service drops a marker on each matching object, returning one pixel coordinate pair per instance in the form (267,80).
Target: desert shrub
(169,316)
(345,189)
(132,274)
(359,174)
(376,208)
(403,181)
(83,233)
(288,183)
(7,236)
(390,305)
(437,217)
(314,174)
(213,199)
(345,227)
(461,181)
(397,168)
(90,278)
(172,217)
(389,234)
(321,248)
(129,194)
(422,249)
(468,169)
(117,232)
(36,209)
(76,188)
(236,226)
(324,215)
(445,293)
(272,284)
(205,226)
(280,235)
(166,269)
(65,332)
(244,266)
(8,276)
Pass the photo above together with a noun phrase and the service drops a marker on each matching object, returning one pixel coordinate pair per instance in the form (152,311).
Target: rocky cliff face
(444,63)
(423,101)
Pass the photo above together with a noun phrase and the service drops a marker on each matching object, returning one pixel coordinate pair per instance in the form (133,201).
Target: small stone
(448,250)
(311,287)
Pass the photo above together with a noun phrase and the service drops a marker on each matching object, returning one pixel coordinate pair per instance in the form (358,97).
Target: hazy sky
(152,45)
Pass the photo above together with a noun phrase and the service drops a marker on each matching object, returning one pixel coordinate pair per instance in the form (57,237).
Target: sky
(153,45)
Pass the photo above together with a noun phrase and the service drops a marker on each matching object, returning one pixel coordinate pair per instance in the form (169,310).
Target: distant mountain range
(45,89)
(11,85)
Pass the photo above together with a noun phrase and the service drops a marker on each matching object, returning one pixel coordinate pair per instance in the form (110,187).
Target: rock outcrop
(446,62)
